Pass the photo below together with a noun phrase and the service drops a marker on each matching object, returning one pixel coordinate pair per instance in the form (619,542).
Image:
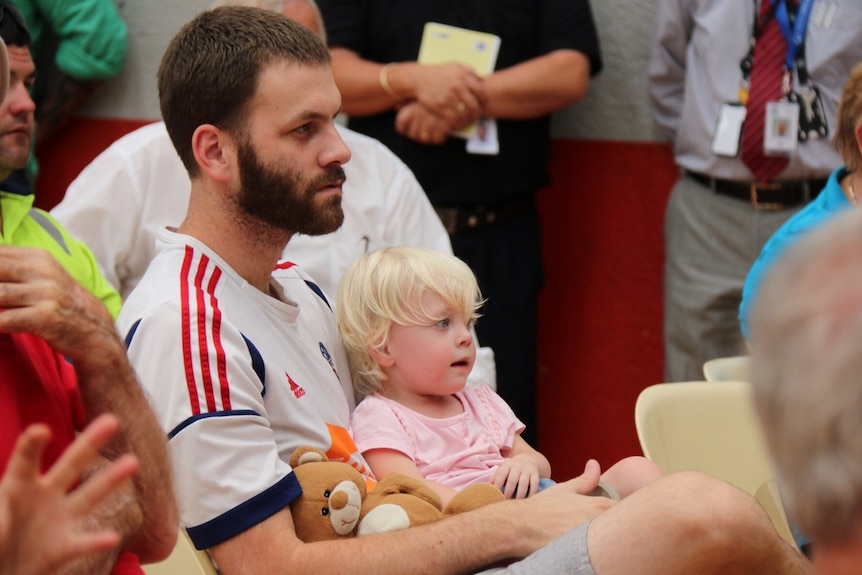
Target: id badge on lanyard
(793,21)
(799,114)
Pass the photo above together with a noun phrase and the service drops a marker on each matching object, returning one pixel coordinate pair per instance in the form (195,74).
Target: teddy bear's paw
(473,497)
(382,519)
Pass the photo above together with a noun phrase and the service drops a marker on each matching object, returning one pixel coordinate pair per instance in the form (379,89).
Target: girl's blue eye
(443,323)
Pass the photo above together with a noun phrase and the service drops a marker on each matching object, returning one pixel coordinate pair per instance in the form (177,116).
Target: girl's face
(432,359)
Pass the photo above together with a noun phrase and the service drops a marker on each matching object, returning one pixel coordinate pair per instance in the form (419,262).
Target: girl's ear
(381,355)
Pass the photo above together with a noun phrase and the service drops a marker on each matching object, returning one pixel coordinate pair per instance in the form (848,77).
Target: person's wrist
(383,79)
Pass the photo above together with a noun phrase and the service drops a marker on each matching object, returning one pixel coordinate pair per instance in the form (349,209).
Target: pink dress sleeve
(375,424)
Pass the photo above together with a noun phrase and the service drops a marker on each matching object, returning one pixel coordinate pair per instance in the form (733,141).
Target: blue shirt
(829,203)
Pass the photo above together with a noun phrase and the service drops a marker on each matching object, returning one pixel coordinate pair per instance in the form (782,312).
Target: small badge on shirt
(781,128)
(725,141)
(484,139)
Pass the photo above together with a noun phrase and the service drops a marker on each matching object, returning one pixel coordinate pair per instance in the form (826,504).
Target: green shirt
(26,226)
(91,35)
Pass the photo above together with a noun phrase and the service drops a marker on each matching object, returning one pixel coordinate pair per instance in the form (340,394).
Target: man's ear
(858,133)
(215,152)
(381,355)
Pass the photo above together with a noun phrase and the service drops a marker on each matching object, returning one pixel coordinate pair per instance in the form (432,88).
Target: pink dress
(455,451)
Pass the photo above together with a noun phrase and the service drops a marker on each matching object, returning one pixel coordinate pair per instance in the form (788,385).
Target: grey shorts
(567,555)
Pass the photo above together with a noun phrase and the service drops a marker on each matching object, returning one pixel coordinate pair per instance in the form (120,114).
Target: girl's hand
(517,477)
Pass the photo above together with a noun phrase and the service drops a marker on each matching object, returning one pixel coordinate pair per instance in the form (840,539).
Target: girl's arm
(386,461)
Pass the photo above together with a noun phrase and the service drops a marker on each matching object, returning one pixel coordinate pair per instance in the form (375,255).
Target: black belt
(457,219)
(769,196)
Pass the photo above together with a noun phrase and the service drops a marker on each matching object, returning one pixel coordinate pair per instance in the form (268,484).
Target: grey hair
(807,376)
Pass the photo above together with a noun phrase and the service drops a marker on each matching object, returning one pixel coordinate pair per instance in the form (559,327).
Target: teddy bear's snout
(339,500)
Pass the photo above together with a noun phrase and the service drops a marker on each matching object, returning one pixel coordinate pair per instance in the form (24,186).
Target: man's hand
(452,91)
(40,520)
(418,123)
(37,296)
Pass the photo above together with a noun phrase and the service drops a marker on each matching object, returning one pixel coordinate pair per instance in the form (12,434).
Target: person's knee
(632,473)
(712,508)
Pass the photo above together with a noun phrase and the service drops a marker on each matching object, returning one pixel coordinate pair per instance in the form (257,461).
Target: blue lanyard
(793,30)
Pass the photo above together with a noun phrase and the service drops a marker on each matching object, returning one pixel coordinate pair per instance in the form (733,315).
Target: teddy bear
(336,502)
(332,496)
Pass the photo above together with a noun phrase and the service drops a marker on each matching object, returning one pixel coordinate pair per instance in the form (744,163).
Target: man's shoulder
(160,283)
(39,229)
(374,168)
(147,137)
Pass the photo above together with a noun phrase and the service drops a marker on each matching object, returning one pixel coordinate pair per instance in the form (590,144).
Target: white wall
(152,24)
(616,107)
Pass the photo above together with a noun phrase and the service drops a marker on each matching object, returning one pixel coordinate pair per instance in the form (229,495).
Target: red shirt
(37,385)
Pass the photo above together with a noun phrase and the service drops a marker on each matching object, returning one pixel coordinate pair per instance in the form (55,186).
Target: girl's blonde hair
(386,287)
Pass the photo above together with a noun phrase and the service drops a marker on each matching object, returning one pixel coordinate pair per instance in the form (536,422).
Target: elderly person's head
(807,377)
(848,133)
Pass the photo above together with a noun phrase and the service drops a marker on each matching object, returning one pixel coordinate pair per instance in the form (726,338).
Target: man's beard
(279,197)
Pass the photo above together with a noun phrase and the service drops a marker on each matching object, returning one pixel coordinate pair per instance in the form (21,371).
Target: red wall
(600,323)
(600,318)
(71,149)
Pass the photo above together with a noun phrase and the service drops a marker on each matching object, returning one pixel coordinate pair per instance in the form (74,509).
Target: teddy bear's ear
(306,454)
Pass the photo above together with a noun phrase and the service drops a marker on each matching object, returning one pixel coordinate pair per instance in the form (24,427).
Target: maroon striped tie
(767,75)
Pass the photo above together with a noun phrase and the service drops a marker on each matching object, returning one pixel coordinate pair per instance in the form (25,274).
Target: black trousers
(506,258)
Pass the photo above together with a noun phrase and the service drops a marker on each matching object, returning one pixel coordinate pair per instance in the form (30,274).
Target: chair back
(731,368)
(710,427)
(183,560)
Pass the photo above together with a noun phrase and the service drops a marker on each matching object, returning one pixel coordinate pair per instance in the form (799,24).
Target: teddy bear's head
(332,496)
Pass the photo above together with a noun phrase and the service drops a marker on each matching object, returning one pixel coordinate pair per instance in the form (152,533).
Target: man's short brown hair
(211,68)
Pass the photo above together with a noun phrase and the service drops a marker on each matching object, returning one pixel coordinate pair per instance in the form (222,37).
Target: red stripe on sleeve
(221,360)
(202,334)
(187,336)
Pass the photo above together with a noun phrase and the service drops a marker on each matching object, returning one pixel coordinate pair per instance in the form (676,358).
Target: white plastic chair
(710,427)
(731,368)
(183,560)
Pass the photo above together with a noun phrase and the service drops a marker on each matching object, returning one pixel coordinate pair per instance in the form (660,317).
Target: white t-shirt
(238,379)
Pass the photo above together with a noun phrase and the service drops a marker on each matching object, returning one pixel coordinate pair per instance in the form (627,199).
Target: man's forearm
(452,91)
(359,83)
(463,543)
(457,544)
(119,512)
(109,385)
(538,87)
